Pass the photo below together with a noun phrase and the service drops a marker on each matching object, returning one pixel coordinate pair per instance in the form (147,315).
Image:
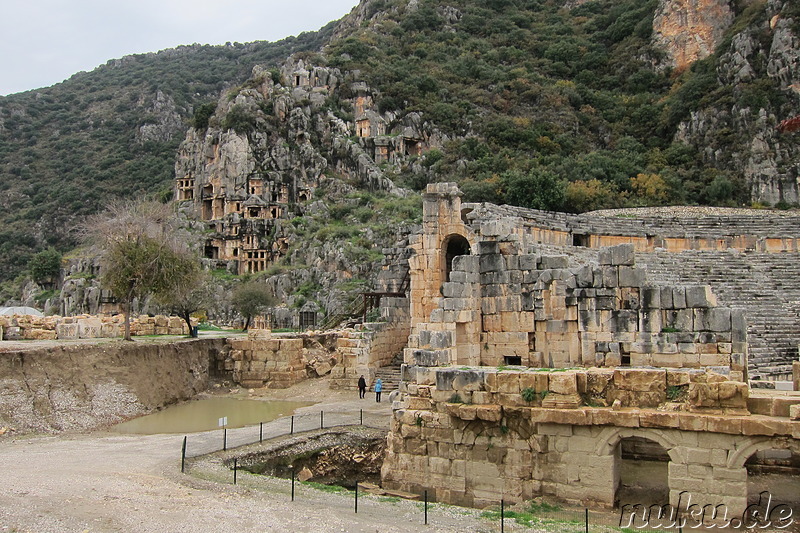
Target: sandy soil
(103,482)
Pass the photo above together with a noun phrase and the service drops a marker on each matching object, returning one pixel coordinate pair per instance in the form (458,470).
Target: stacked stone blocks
(476,436)
(29,327)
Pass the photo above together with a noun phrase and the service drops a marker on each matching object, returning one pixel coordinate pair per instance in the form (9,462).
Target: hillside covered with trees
(550,104)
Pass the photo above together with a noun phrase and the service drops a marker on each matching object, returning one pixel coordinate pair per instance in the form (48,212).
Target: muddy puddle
(205,414)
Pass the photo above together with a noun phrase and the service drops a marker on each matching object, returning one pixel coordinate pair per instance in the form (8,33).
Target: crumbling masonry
(534,371)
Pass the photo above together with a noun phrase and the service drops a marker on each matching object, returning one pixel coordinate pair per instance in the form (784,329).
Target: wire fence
(228,438)
(536,516)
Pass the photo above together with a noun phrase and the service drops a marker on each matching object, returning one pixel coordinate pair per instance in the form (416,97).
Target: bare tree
(144,252)
(186,298)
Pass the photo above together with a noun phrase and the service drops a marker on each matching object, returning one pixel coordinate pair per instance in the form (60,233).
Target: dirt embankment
(79,387)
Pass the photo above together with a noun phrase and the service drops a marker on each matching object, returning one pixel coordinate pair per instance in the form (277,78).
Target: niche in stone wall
(453,246)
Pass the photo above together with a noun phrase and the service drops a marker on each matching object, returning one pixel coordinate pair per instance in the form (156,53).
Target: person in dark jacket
(362,387)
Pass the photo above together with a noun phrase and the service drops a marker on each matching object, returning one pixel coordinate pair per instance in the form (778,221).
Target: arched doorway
(453,246)
(642,472)
(773,487)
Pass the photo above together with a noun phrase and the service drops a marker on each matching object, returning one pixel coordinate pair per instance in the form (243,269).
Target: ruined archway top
(610,437)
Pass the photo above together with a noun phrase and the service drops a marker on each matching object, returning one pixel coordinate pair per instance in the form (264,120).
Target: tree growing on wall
(144,252)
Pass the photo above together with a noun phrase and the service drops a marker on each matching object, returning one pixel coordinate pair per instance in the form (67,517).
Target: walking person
(362,387)
(378,389)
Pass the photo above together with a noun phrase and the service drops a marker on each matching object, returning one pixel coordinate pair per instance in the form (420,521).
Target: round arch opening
(641,472)
(454,246)
(773,485)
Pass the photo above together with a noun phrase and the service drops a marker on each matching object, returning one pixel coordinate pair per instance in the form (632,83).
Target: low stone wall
(29,327)
(530,434)
(261,360)
(79,387)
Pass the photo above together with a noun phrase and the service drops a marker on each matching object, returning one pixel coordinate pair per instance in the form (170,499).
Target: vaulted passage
(773,485)
(642,467)
(453,246)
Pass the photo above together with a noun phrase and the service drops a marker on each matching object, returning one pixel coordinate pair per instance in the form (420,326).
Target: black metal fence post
(235,468)
(224,439)
(502,516)
(321,420)
(587,520)
(361,416)
(426,507)
(261,432)
(183,455)
(356,496)
(291,431)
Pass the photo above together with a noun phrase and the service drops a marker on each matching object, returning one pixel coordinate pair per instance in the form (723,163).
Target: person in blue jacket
(378,389)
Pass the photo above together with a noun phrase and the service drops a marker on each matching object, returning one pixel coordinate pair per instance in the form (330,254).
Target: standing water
(203,415)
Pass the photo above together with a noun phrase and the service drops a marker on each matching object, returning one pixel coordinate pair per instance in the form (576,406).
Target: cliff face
(689,30)
(289,144)
(737,130)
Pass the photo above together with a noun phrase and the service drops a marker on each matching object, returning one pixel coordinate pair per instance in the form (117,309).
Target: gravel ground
(104,482)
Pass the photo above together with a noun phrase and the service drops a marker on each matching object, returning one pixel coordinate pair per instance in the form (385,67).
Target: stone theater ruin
(553,355)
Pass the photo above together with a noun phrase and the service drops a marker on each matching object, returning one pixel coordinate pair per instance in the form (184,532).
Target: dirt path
(113,483)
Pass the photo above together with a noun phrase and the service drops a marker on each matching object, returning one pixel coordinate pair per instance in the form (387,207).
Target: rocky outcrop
(737,132)
(689,30)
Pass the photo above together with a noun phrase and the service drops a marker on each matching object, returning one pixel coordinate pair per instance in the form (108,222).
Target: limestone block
(700,296)
(610,277)
(563,383)
(631,276)
(679,297)
(538,381)
(608,417)
(640,379)
(67,331)
(794,412)
(657,419)
(548,262)
(704,395)
(621,254)
(490,413)
(733,395)
(712,319)
(89,328)
(677,378)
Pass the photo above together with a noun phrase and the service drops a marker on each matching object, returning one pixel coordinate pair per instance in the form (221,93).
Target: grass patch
(325,488)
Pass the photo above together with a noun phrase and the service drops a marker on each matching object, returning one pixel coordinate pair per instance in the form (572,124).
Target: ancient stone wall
(476,436)
(83,386)
(264,360)
(368,347)
(535,278)
(29,327)
(499,302)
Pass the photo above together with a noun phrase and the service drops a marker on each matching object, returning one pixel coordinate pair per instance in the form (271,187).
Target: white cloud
(43,42)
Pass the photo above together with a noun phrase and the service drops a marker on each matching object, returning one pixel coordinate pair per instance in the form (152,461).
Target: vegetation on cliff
(532,102)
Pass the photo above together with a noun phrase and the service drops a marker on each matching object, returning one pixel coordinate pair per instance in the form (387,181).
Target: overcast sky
(43,42)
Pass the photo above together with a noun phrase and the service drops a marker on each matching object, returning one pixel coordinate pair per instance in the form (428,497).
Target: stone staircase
(390,376)
(766,286)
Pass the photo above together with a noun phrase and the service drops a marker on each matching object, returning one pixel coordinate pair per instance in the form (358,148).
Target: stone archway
(642,472)
(632,452)
(773,478)
(453,246)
